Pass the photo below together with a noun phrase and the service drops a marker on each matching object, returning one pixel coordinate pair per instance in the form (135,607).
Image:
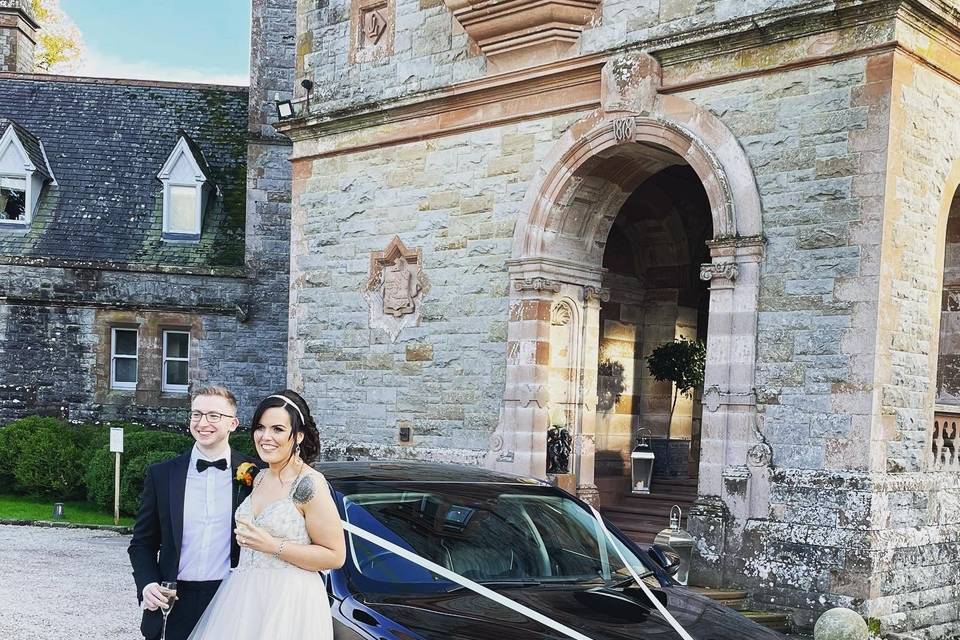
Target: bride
(288,530)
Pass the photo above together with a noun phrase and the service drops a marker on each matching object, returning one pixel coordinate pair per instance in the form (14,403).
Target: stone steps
(738,600)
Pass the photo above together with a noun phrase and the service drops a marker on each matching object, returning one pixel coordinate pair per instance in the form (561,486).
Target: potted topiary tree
(681,362)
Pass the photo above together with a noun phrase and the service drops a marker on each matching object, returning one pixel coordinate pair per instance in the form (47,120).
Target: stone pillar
(18,36)
(585,444)
(520,445)
(733,455)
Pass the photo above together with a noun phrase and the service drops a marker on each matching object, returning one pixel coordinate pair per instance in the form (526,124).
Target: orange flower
(245,473)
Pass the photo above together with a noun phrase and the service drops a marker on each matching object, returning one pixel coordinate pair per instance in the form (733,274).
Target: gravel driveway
(66,583)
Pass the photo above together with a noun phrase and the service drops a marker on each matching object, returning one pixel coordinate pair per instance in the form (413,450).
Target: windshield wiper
(502,584)
(628,581)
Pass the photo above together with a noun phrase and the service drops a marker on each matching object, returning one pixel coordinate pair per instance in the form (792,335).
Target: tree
(60,45)
(681,362)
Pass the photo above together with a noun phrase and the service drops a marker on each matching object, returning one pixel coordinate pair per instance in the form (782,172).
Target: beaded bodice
(282,520)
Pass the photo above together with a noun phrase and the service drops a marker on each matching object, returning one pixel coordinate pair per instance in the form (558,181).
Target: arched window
(943,447)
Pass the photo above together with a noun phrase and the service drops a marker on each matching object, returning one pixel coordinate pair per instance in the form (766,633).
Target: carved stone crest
(395,288)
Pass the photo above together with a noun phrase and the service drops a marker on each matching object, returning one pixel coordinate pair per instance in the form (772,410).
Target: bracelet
(280,550)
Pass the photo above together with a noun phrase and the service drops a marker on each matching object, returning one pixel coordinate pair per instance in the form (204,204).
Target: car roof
(414,471)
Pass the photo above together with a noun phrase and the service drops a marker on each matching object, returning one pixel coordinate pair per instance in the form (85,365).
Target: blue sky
(185,40)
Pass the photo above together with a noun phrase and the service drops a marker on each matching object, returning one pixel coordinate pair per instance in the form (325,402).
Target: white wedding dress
(265,598)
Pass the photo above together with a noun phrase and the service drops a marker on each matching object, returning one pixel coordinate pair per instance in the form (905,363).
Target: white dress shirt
(207,514)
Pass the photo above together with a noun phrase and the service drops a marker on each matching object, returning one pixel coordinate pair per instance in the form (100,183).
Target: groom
(184,530)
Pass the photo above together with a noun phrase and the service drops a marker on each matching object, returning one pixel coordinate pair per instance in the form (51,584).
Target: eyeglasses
(213,417)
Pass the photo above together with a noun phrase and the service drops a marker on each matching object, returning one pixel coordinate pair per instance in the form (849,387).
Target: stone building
(144,235)
(499,209)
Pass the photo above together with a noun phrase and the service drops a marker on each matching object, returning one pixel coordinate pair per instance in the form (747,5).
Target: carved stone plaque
(372,29)
(373,24)
(395,288)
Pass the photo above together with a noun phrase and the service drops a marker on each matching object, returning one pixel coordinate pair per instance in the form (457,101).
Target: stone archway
(557,254)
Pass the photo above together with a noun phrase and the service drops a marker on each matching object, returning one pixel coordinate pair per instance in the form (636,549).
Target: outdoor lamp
(641,463)
(58,511)
(284,108)
(678,540)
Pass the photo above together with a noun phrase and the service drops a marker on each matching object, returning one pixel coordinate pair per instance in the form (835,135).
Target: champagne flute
(169,590)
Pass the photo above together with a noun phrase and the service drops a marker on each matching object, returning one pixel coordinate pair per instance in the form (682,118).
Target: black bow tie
(203,465)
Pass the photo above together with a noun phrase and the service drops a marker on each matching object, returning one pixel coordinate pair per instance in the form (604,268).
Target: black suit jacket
(158,531)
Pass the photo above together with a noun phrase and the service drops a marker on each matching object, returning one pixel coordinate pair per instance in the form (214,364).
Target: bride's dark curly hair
(310,446)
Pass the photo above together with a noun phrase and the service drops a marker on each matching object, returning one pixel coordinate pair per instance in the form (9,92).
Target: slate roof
(106,140)
(30,142)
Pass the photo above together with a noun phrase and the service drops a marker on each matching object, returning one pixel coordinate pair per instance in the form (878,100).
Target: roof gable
(29,146)
(185,163)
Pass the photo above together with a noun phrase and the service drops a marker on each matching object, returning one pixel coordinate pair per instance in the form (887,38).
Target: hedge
(45,458)
(133,475)
(100,469)
(48,457)
(13,438)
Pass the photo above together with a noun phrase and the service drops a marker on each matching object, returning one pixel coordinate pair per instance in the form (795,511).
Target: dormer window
(186,186)
(23,172)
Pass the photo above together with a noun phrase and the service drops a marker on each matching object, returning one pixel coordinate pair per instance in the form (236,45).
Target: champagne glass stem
(163,632)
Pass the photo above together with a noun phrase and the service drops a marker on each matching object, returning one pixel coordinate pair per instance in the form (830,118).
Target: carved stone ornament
(561,314)
(719,270)
(395,288)
(625,129)
(596,294)
(760,455)
(373,24)
(372,29)
(629,83)
(536,284)
(513,34)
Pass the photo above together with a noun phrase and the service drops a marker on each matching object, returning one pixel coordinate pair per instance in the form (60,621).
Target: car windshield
(489,533)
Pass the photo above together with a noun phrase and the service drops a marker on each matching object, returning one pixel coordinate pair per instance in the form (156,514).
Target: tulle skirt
(268,604)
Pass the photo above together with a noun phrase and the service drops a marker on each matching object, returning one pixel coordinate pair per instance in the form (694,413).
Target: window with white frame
(176,361)
(123,358)
(13,198)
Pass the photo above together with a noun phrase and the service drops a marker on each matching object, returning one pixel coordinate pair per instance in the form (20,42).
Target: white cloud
(104,66)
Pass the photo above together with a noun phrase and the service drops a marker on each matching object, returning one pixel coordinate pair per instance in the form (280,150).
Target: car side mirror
(665,557)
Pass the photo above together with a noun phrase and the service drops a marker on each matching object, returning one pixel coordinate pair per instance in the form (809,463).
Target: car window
(488,533)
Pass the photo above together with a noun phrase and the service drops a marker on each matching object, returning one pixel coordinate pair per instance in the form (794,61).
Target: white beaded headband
(292,404)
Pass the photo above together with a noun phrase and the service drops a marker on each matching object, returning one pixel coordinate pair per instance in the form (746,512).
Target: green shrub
(133,475)
(99,478)
(241,442)
(48,462)
(100,469)
(13,437)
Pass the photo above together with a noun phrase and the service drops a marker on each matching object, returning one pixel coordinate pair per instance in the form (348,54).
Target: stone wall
(916,506)
(17,36)
(431,50)
(55,338)
(457,198)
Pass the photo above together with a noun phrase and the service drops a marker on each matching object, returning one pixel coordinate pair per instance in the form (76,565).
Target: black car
(525,539)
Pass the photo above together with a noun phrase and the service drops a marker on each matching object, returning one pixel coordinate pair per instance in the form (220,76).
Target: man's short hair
(216,390)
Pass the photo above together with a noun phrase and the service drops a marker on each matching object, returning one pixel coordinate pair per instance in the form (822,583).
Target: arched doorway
(557,281)
(651,267)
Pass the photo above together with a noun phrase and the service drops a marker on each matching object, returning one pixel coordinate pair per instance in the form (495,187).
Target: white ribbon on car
(463,582)
(507,602)
(646,590)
